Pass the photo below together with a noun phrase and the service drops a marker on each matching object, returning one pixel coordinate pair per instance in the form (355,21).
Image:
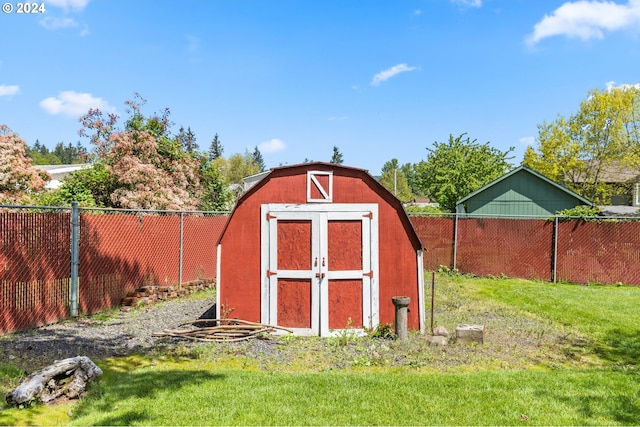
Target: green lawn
(609,315)
(557,354)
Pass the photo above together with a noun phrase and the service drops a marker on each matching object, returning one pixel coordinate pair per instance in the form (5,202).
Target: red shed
(319,247)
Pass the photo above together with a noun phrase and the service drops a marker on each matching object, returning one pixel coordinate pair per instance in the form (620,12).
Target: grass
(556,354)
(608,315)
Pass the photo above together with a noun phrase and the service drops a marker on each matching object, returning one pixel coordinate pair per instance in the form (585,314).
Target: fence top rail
(507,216)
(58,208)
(154,211)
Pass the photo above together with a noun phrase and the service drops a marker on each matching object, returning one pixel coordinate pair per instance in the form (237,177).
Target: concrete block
(468,334)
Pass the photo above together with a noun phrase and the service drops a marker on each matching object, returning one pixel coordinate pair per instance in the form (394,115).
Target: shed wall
(240,256)
(521,194)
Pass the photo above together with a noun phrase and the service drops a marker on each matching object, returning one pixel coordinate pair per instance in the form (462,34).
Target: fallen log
(66,377)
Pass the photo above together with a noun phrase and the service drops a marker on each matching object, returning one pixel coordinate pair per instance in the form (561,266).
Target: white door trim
(319,214)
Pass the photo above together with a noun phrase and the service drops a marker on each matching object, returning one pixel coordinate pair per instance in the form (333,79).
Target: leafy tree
(69,192)
(144,162)
(258,160)
(19,180)
(216,195)
(61,154)
(458,167)
(394,179)
(37,158)
(91,186)
(603,135)
(239,166)
(336,158)
(216,149)
(409,171)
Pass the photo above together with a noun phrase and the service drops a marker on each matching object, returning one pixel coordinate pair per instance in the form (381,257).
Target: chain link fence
(602,250)
(151,253)
(58,262)
(117,254)
(34,267)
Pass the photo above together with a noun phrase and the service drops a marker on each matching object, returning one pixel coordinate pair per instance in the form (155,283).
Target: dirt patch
(512,341)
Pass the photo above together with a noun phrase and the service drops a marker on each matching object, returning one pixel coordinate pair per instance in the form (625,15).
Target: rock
(468,334)
(440,331)
(438,340)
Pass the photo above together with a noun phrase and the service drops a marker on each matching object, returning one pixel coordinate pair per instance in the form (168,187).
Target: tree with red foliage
(146,164)
(19,180)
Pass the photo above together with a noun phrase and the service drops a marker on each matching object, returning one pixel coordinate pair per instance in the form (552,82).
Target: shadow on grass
(618,408)
(102,407)
(621,347)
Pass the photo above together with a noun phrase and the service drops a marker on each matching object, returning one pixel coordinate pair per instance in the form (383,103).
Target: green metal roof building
(521,192)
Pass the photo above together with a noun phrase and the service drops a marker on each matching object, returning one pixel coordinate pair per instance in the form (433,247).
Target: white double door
(319,267)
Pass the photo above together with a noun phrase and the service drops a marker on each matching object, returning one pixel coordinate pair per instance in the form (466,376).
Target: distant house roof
(252,180)
(614,173)
(58,172)
(522,191)
(619,210)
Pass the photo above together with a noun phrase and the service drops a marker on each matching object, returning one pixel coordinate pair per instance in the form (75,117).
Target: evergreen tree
(216,149)
(187,140)
(258,160)
(337,158)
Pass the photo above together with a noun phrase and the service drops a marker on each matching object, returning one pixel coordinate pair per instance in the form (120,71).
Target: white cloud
(468,3)
(51,23)
(612,85)
(271,146)
(417,12)
(75,5)
(74,104)
(391,72)
(527,140)
(9,90)
(587,19)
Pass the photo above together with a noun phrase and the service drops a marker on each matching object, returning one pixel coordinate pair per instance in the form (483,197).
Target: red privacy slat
(34,269)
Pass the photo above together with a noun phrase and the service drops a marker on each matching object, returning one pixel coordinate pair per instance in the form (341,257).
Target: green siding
(521,194)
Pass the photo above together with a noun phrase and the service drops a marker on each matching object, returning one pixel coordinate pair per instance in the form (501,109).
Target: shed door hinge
(271,273)
(369,215)
(269,216)
(369,274)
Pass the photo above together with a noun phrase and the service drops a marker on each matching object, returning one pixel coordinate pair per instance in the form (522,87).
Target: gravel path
(127,333)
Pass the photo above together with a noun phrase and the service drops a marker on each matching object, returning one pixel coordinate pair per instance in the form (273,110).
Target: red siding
(240,268)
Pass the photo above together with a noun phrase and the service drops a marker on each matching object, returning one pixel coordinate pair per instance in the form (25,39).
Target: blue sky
(379,79)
